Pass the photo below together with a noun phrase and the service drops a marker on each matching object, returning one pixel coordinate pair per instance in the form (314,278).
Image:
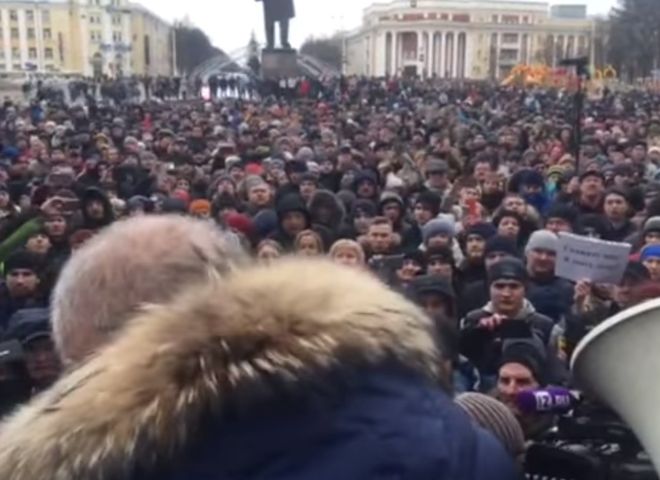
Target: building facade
(455,39)
(84,37)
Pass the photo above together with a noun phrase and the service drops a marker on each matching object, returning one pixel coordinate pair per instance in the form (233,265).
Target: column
(454,50)
(443,55)
(420,43)
(382,56)
(6,40)
(438,55)
(393,53)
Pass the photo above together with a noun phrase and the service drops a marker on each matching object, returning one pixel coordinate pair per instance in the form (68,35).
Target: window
(14,32)
(494,18)
(116,19)
(30,33)
(116,37)
(48,34)
(29,16)
(15,52)
(510,38)
(3,67)
(16,66)
(48,53)
(45,16)
(32,53)
(13,15)
(510,19)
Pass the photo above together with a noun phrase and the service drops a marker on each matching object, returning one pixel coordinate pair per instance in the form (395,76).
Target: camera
(589,443)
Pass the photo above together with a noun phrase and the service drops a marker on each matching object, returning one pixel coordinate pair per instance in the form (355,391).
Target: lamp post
(580,65)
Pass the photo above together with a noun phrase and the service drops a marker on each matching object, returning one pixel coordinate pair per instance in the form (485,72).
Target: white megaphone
(619,363)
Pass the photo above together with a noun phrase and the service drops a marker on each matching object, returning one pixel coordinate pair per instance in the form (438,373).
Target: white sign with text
(584,258)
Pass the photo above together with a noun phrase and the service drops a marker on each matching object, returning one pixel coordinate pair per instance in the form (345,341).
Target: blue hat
(650,251)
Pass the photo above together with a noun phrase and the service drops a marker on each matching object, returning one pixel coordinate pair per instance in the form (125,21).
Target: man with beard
(21,285)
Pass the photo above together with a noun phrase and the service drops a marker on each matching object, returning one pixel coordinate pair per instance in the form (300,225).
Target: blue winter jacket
(386,427)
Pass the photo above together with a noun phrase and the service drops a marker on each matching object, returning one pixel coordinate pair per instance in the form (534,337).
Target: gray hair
(142,260)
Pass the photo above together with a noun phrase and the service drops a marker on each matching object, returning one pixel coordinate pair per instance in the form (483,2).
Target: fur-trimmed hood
(140,401)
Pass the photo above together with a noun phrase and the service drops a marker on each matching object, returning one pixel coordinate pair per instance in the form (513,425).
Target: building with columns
(84,37)
(472,39)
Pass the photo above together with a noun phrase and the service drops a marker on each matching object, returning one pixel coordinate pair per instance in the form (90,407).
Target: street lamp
(580,65)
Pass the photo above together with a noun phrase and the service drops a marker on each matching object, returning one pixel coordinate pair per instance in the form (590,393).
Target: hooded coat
(328,375)
(108,214)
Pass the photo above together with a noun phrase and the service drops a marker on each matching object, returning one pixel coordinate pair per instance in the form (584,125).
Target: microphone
(550,400)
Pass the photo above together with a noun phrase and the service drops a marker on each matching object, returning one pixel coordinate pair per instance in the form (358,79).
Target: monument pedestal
(278,63)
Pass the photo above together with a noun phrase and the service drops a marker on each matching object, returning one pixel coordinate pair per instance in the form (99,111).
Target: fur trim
(140,400)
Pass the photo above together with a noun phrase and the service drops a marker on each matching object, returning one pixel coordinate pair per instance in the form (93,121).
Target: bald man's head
(146,259)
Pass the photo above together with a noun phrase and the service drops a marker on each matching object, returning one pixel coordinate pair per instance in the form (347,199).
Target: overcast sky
(229,22)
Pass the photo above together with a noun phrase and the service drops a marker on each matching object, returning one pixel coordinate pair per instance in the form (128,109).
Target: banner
(584,258)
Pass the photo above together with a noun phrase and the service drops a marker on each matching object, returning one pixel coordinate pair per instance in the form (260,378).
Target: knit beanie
(592,224)
(240,223)
(495,417)
(501,244)
(563,211)
(652,225)
(543,240)
(529,352)
(507,269)
(649,251)
(22,260)
(200,207)
(252,181)
(438,226)
(484,230)
(390,197)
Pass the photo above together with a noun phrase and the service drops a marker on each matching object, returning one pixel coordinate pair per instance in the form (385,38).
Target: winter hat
(140,202)
(507,269)
(430,201)
(543,240)
(444,254)
(174,205)
(563,211)
(295,166)
(390,197)
(200,207)
(265,223)
(22,260)
(652,225)
(240,223)
(365,176)
(532,178)
(28,325)
(592,173)
(649,251)
(252,181)
(438,226)
(501,244)
(495,417)
(365,207)
(591,224)
(484,230)
(291,202)
(182,195)
(433,284)
(528,352)
(305,154)
(636,273)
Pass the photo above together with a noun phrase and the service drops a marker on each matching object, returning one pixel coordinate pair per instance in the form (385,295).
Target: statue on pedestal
(278,11)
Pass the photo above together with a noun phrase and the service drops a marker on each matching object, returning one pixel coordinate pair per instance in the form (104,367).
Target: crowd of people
(451,195)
